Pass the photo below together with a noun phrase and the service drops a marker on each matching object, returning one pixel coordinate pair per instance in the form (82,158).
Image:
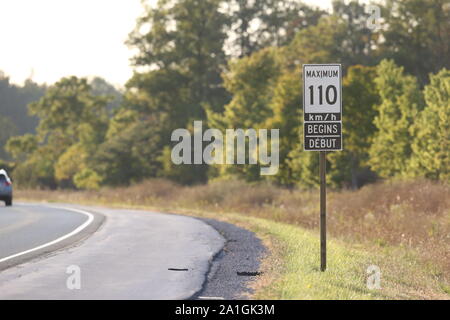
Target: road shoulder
(235,266)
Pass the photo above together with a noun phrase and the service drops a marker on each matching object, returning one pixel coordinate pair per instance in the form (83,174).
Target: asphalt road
(121,254)
(26,227)
(114,254)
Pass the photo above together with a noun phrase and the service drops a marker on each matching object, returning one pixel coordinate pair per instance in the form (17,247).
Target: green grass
(445,288)
(292,270)
(300,277)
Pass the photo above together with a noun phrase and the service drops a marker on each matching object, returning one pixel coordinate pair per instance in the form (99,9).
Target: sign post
(323,210)
(322,127)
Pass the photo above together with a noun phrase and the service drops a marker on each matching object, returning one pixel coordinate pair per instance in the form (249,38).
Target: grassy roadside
(291,268)
(295,251)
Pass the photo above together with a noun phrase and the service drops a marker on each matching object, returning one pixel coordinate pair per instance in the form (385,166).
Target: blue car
(5,188)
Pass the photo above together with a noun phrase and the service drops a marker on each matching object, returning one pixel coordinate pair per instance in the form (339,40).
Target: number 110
(330,94)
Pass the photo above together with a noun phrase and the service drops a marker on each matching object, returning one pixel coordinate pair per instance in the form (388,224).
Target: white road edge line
(74,232)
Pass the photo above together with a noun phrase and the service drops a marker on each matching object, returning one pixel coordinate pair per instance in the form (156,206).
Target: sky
(49,39)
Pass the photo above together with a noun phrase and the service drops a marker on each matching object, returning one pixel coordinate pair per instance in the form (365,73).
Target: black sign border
(304,97)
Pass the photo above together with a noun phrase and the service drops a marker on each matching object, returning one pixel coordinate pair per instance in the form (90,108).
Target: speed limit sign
(322,106)
(322,127)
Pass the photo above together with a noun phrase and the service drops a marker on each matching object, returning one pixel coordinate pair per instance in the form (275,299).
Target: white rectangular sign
(322,107)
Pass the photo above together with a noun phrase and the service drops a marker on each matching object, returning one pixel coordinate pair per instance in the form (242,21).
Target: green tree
(243,15)
(65,107)
(357,43)
(360,98)
(100,87)
(73,122)
(187,37)
(280,20)
(254,25)
(184,49)
(401,101)
(317,44)
(87,179)
(266,95)
(37,171)
(431,131)
(251,81)
(304,166)
(14,119)
(14,100)
(19,147)
(7,130)
(72,161)
(131,150)
(287,117)
(342,37)
(417,35)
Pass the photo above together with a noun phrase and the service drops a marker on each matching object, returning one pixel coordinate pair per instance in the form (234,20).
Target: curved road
(26,227)
(129,254)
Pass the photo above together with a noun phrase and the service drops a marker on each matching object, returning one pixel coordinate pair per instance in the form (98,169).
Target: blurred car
(5,188)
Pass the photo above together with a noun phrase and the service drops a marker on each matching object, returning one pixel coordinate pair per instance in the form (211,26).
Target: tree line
(237,64)
(14,118)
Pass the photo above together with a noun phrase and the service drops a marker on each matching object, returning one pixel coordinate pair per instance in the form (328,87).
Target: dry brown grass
(410,214)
